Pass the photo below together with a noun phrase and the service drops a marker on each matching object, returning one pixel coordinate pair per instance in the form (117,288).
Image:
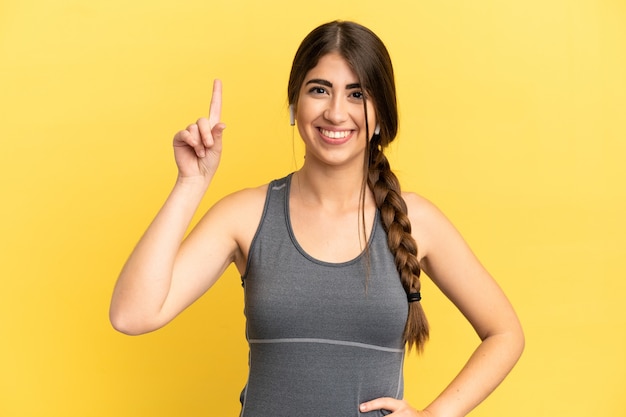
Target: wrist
(189,191)
(197,182)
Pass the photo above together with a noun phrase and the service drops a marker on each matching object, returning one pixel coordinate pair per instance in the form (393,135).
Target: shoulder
(244,199)
(248,203)
(420,209)
(241,209)
(248,199)
(233,221)
(429,225)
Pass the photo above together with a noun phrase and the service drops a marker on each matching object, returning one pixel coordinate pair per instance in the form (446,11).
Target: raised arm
(162,275)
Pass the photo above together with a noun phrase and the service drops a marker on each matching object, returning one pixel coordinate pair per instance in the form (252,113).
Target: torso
(323,335)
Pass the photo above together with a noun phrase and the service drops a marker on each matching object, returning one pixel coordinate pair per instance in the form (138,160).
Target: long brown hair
(369,59)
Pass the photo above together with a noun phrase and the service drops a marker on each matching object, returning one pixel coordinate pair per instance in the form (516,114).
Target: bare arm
(452,266)
(161,276)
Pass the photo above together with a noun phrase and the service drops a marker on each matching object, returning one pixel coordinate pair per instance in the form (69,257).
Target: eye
(357,95)
(317,90)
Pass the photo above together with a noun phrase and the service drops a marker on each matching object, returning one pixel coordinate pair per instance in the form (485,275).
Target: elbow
(510,338)
(521,340)
(126,324)
(518,335)
(516,341)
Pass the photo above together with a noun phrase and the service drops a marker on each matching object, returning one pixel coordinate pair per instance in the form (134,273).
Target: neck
(338,188)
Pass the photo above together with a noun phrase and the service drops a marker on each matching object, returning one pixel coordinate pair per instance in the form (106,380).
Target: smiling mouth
(332,134)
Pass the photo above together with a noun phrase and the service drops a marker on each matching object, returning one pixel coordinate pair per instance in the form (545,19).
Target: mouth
(336,135)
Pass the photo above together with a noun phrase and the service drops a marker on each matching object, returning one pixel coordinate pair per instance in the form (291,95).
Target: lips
(336,136)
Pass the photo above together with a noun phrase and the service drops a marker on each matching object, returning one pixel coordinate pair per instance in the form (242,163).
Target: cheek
(309,110)
(301,131)
(371,113)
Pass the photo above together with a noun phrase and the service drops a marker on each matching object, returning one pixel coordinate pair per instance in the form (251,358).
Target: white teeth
(335,135)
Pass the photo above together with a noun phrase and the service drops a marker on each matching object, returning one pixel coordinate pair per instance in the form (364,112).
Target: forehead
(334,68)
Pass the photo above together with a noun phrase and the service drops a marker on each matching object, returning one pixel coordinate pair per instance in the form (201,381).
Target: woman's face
(330,113)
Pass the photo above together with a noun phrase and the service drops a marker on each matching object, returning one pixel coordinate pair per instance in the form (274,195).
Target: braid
(386,189)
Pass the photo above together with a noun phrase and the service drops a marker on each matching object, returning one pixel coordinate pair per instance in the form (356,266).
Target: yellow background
(512,121)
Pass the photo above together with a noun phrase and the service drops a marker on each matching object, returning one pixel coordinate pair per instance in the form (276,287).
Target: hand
(198,148)
(397,408)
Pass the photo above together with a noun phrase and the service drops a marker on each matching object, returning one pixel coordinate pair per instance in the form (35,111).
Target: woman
(330,255)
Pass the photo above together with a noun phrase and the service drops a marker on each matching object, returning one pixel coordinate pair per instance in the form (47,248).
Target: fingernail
(363,407)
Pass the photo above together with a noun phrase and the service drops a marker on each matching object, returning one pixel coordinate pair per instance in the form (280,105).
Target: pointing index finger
(215,111)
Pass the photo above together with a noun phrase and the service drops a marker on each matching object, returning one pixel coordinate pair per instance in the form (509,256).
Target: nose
(337,110)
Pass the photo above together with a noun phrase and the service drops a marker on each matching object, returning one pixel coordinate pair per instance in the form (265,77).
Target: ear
(292,115)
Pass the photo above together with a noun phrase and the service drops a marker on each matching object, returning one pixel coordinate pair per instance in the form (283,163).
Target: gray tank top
(323,337)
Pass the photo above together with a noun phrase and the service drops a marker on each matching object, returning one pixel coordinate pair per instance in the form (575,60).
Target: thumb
(214,140)
(382,404)
(218,131)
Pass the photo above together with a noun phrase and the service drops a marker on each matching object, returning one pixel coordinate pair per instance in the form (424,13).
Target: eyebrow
(330,85)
